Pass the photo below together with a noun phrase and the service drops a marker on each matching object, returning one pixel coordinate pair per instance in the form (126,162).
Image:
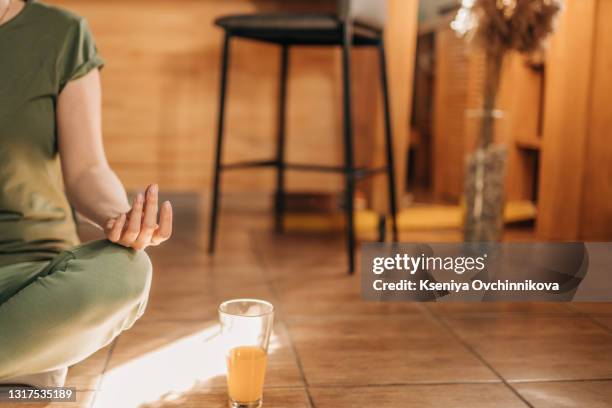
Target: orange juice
(246,369)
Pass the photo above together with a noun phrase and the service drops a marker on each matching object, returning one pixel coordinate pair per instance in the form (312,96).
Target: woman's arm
(91,186)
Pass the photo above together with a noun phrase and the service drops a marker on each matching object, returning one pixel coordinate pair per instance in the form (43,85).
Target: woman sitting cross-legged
(61,301)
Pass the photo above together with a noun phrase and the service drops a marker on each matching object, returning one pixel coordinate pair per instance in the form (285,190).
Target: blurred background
(161,89)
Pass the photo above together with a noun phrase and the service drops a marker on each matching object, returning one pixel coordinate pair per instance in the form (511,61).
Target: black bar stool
(357,23)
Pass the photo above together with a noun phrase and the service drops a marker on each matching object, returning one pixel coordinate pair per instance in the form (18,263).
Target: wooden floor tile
(198,305)
(591,394)
(217,398)
(86,374)
(358,350)
(418,396)
(540,348)
(300,252)
(593,308)
(188,277)
(487,309)
(148,337)
(334,294)
(605,321)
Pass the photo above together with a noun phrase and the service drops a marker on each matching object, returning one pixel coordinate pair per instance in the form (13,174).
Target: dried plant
(499,26)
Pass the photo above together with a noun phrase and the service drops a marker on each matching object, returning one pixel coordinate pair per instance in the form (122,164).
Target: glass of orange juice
(246,326)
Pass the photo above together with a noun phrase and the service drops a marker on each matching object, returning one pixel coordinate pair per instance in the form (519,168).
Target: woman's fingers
(133,226)
(115,232)
(110,223)
(138,228)
(165,224)
(149,218)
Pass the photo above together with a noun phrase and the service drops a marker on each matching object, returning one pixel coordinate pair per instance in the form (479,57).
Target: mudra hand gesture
(138,228)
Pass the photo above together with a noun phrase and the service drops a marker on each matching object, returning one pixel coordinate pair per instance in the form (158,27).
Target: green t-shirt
(41,49)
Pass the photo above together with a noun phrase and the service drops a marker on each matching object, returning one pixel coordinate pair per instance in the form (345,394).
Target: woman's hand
(138,228)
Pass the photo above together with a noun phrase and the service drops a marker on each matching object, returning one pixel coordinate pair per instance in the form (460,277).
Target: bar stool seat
(294,29)
(279,21)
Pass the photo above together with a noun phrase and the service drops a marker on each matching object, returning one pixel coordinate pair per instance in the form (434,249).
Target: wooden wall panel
(597,199)
(451,87)
(566,122)
(400,42)
(160,93)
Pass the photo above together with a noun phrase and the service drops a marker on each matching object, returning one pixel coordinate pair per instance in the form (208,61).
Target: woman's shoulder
(55,17)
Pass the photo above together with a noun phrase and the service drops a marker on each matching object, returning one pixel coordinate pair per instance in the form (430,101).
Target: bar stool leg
(214,205)
(279,206)
(388,139)
(349,170)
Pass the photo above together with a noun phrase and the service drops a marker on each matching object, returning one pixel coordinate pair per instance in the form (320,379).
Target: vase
(484,194)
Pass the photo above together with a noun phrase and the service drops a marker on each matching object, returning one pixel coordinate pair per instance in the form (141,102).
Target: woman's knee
(134,272)
(138,274)
(125,273)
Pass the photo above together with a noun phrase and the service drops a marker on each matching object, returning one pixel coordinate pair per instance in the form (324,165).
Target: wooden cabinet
(576,171)
(557,122)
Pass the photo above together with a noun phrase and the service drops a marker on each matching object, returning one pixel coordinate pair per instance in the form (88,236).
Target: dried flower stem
(493,67)
(499,26)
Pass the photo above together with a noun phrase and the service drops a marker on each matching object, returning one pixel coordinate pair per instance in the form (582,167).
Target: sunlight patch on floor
(193,362)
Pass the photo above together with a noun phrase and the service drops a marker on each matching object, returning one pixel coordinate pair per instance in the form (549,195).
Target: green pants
(56,313)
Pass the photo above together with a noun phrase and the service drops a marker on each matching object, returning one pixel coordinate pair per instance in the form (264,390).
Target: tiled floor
(330,349)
